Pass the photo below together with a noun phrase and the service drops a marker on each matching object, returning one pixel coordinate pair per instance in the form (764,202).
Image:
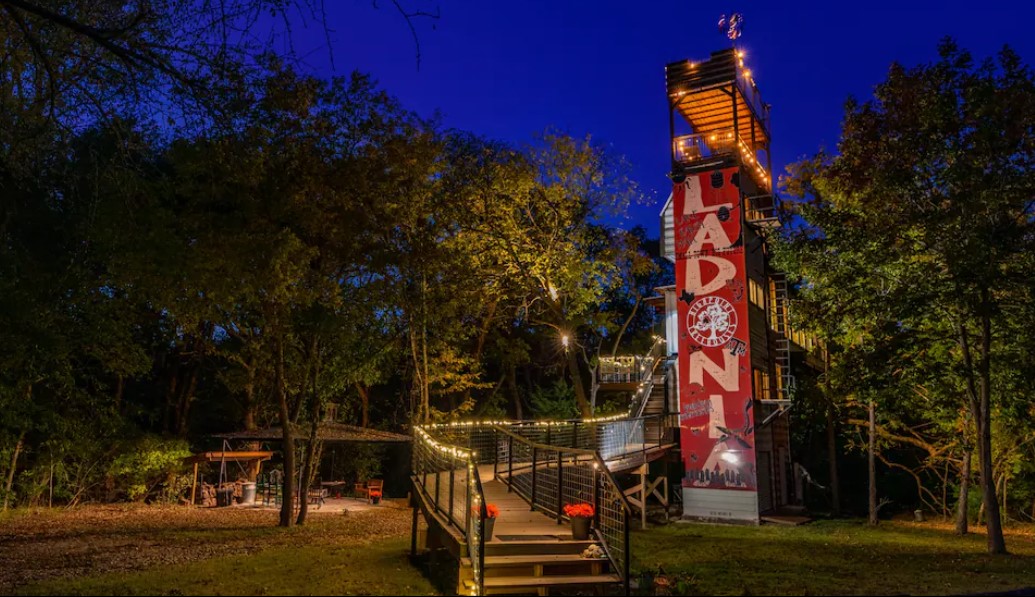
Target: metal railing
(696,147)
(447,476)
(549,476)
(547,463)
(634,369)
(761,209)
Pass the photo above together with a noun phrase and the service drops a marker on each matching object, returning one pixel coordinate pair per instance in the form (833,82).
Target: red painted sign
(715,414)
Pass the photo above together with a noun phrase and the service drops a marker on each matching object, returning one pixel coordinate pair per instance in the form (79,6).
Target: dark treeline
(914,244)
(181,258)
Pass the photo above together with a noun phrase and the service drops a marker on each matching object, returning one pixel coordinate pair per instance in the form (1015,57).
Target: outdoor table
(335,486)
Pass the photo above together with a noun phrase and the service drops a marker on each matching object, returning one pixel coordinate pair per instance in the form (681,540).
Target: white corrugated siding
(668,232)
(671,321)
(720,505)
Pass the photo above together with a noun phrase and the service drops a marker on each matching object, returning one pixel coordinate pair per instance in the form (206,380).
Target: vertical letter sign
(715,414)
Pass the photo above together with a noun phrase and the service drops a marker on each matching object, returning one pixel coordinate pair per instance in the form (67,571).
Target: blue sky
(508,70)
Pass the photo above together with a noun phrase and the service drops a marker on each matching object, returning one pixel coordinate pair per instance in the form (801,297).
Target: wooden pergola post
(194,485)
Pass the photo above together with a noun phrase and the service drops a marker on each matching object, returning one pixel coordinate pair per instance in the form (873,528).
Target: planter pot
(489,524)
(580,528)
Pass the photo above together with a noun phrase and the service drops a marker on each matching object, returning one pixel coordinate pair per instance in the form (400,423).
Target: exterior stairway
(655,406)
(549,558)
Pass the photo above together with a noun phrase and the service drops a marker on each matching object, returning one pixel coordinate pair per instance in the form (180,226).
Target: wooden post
(643,496)
(194,485)
(495,453)
(452,471)
(510,463)
(413,527)
(560,488)
(531,500)
(625,552)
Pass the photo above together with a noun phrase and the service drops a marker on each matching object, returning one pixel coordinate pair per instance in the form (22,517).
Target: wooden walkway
(516,517)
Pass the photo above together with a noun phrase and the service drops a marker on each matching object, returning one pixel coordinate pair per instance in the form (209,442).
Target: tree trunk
(9,485)
(183,412)
(364,399)
(980,406)
(308,472)
(996,542)
(1005,511)
(961,507)
(835,483)
(628,320)
(250,424)
(120,382)
(170,396)
(576,378)
(515,395)
(312,452)
(872,453)
(287,506)
(426,386)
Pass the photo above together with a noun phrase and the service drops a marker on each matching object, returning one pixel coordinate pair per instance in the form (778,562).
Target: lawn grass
(834,558)
(375,568)
(136,549)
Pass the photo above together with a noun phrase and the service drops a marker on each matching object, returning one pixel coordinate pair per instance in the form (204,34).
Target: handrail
(463,506)
(548,474)
(541,446)
(570,465)
(644,393)
(627,511)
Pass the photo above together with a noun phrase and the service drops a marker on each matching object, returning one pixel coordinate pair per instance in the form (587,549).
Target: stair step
(529,548)
(516,582)
(540,559)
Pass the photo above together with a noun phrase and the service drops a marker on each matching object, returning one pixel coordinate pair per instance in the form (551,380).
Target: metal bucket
(248,493)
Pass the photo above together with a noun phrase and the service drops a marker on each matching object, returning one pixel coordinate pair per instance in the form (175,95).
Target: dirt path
(89,540)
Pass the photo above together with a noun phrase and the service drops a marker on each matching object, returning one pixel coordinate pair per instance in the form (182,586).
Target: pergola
(326,432)
(222,457)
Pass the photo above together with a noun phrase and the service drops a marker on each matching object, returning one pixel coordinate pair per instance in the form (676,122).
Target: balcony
(702,147)
(760,210)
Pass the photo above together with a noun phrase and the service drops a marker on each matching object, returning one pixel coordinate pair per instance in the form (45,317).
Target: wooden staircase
(655,406)
(534,567)
(531,566)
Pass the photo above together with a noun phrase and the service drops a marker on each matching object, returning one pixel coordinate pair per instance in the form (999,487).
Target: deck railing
(547,463)
(550,476)
(634,369)
(447,476)
(697,147)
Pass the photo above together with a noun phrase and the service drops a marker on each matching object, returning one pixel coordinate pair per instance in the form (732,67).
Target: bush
(147,468)
(555,402)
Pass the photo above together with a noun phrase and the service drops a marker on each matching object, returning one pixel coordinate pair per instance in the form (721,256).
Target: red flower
(579,510)
(491,511)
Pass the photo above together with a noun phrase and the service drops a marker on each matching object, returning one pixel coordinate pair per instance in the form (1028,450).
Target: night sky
(508,70)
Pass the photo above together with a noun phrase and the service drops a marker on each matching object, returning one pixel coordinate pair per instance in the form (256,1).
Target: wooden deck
(516,516)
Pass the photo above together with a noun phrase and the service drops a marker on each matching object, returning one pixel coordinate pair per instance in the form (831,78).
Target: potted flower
(580,515)
(491,512)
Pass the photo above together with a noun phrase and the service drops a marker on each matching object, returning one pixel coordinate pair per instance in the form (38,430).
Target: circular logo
(711,321)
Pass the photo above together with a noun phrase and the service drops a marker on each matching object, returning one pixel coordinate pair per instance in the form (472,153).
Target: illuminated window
(763,391)
(756,293)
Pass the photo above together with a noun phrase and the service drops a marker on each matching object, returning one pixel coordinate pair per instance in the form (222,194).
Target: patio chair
(317,495)
(372,489)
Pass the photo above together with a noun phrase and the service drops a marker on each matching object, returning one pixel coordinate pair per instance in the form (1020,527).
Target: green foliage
(556,401)
(145,463)
(913,248)
(357,463)
(321,244)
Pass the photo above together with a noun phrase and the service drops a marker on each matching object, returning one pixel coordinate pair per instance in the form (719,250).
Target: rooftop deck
(719,101)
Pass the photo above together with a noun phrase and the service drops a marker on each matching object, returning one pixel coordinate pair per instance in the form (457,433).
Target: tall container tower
(727,325)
